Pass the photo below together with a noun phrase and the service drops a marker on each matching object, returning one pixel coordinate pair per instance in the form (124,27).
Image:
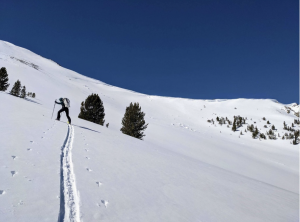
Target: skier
(65,108)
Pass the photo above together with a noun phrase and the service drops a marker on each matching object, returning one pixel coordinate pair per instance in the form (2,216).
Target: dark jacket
(60,103)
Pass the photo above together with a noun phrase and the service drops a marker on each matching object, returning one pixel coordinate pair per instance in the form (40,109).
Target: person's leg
(67,113)
(58,113)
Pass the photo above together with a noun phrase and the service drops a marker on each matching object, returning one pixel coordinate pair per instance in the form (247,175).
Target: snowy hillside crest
(201,160)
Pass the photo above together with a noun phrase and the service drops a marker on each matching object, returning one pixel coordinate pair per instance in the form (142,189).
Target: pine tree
(3,79)
(296,134)
(33,95)
(15,91)
(234,127)
(255,133)
(23,92)
(133,123)
(92,110)
(250,128)
(273,127)
(262,136)
(271,132)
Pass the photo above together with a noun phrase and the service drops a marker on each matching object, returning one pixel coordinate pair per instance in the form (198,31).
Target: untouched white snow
(186,169)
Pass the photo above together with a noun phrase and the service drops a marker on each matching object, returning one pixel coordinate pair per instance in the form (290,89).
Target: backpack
(66,102)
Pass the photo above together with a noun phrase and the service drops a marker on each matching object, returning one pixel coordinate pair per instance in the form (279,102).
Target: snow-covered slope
(186,169)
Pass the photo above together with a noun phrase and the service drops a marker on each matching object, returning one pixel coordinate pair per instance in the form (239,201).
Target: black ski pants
(64,109)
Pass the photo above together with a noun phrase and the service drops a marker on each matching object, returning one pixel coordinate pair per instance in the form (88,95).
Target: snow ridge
(69,203)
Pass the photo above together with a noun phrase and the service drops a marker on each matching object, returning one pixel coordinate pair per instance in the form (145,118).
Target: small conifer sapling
(16,89)
(23,92)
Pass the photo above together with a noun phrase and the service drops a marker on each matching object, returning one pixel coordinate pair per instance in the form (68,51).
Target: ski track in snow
(69,200)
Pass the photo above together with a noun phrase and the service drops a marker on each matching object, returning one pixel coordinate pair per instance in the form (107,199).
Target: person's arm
(58,102)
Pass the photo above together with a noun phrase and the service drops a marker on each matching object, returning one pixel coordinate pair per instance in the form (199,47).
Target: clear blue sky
(202,49)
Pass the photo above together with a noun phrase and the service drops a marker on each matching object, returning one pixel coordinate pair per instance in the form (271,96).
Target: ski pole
(53,110)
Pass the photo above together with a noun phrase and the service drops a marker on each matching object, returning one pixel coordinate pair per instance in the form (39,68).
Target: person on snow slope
(65,108)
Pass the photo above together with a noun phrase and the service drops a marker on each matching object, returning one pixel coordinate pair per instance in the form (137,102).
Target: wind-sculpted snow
(189,168)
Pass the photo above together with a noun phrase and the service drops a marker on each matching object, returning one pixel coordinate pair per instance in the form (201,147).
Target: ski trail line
(69,200)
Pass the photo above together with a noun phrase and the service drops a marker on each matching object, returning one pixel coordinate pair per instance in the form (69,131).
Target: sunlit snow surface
(186,169)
